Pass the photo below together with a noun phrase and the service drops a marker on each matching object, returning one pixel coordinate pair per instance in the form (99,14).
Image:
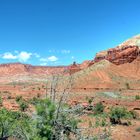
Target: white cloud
(52,58)
(49,59)
(20,56)
(24,56)
(9,55)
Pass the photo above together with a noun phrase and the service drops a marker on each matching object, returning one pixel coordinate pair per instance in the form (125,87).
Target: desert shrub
(134,114)
(38,95)
(118,113)
(138,129)
(104,122)
(120,89)
(127,85)
(18,98)
(99,108)
(11,124)
(51,124)
(137,97)
(0,101)
(23,105)
(34,101)
(90,101)
(9,97)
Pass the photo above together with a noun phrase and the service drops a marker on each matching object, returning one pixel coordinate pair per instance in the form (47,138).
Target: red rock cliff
(124,53)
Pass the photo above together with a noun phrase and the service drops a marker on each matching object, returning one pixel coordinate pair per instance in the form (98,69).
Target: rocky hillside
(106,75)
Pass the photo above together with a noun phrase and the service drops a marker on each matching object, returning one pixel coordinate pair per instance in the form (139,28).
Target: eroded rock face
(126,52)
(119,55)
(122,55)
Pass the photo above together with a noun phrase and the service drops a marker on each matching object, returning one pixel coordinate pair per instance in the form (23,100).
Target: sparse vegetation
(137,97)
(127,85)
(134,114)
(0,101)
(38,95)
(9,97)
(119,113)
(13,124)
(90,100)
(99,108)
(23,105)
(33,101)
(138,129)
(18,98)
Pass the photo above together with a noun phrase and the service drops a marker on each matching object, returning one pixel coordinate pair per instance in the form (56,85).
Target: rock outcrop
(74,68)
(124,53)
(118,55)
(77,67)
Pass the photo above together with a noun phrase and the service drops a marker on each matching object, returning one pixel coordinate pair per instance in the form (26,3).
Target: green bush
(99,108)
(51,123)
(118,113)
(34,101)
(13,124)
(137,97)
(89,100)
(18,98)
(0,101)
(138,129)
(23,105)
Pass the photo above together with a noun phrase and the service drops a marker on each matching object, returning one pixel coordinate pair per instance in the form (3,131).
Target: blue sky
(58,32)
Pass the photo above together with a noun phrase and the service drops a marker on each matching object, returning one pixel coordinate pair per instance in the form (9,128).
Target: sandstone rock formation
(124,53)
